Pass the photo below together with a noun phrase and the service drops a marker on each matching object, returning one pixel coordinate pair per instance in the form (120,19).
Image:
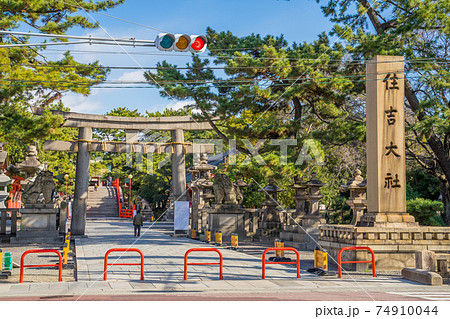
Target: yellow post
(234,241)
(65,252)
(279,244)
(207,236)
(321,259)
(1,260)
(325,261)
(316,258)
(193,233)
(67,241)
(218,237)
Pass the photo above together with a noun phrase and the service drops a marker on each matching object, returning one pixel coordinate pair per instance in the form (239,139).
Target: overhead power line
(154,86)
(217,84)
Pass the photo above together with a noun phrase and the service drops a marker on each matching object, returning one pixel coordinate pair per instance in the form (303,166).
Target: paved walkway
(163,273)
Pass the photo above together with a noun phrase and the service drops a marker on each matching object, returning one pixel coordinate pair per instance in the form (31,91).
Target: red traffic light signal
(181,42)
(198,43)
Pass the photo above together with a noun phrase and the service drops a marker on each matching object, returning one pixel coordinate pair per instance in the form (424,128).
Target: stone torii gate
(132,125)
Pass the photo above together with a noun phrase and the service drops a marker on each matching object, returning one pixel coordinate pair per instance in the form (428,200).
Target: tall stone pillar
(386,228)
(178,166)
(386,166)
(78,224)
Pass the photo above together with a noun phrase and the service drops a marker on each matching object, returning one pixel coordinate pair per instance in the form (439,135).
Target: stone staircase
(102,203)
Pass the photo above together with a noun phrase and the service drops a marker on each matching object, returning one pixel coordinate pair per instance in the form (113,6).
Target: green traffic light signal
(166,42)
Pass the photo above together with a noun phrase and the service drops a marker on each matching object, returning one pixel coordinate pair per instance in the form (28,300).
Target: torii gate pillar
(78,223)
(178,166)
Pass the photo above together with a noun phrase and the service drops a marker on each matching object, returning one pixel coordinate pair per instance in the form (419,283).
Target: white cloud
(135,76)
(179,105)
(82,104)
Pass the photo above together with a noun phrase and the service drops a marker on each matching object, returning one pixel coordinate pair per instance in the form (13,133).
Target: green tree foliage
(419,31)
(29,79)
(426,211)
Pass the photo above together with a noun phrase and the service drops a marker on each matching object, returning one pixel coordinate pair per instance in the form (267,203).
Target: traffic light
(181,42)
(198,44)
(165,41)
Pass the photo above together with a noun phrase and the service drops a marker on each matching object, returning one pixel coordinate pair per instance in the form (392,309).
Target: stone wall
(394,247)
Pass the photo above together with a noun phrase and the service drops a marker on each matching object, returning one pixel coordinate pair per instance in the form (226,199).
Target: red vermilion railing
(220,263)
(340,262)
(105,272)
(36,251)
(123,213)
(264,262)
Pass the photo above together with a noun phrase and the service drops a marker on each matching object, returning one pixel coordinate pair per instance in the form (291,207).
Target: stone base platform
(394,248)
(38,225)
(228,219)
(304,235)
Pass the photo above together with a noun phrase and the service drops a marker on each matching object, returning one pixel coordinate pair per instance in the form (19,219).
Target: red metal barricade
(220,263)
(340,262)
(264,262)
(36,251)
(105,272)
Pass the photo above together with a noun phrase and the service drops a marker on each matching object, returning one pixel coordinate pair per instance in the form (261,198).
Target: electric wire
(153,85)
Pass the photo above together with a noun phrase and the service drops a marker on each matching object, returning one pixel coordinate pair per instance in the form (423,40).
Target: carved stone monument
(39,215)
(226,215)
(144,207)
(392,234)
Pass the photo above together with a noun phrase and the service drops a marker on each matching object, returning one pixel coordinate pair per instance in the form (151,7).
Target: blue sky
(297,20)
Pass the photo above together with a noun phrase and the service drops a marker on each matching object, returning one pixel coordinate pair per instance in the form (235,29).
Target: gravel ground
(43,274)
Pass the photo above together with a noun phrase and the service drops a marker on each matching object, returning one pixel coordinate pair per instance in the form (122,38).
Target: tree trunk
(445,193)
(298,110)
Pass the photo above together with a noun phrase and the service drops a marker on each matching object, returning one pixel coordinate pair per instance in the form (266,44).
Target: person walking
(138,221)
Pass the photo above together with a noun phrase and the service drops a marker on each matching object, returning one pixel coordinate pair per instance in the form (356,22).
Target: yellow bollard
(65,252)
(218,238)
(1,260)
(67,241)
(234,241)
(279,244)
(207,236)
(193,233)
(320,259)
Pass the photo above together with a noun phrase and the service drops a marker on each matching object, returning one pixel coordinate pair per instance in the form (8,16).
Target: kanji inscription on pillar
(386,174)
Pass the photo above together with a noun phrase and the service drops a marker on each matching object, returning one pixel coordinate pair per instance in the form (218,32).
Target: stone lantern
(201,188)
(3,158)
(307,233)
(239,186)
(4,181)
(314,196)
(272,207)
(30,165)
(357,201)
(300,196)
